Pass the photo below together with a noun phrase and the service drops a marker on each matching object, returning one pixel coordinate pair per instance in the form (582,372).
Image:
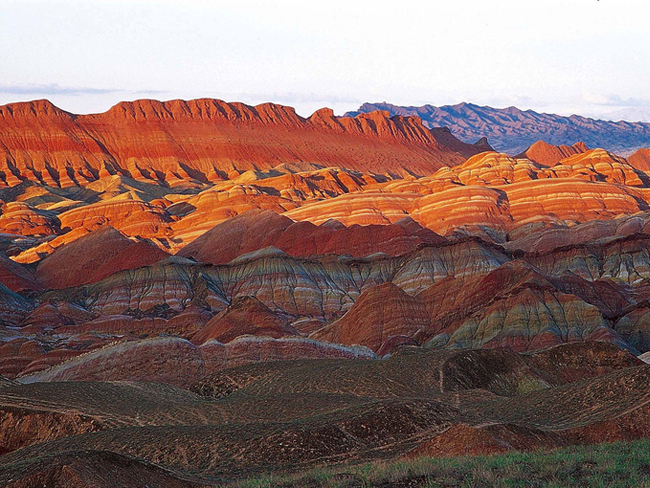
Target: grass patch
(614,465)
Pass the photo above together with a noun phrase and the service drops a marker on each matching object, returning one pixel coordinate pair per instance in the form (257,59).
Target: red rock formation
(640,159)
(244,316)
(547,154)
(179,362)
(133,217)
(16,277)
(150,140)
(22,219)
(19,428)
(135,255)
(257,229)
(379,314)
(94,257)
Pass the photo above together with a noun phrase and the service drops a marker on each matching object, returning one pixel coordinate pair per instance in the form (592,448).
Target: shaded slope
(547,154)
(381,315)
(640,159)
(511,130)
(245,316)
(351,411)
(257,229)
(96,469)
(94,257)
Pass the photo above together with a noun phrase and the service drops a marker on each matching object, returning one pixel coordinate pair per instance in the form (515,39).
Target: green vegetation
(620,464)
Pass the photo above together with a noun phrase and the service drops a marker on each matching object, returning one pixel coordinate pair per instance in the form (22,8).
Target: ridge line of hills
(512,130)
(210,140)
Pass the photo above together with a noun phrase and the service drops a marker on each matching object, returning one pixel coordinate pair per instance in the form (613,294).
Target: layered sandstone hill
(256,230)
(352,253)
(514,306)
(94,257)
(277,283)
(640,159)
(492,194)
(179,362)
(207,140)
(459,293)
(547,154)
(244,316)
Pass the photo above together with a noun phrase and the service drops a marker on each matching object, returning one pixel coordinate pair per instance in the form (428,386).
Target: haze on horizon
(588,57)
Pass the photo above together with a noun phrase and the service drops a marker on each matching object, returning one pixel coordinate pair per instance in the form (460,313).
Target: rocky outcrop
(94,257)
(380,314)
(23,427)
(244,316)
(640,159)
(258,229)
(513,307)
(548,155)
(16,277)
(492,194)
(202,139)
(13,307)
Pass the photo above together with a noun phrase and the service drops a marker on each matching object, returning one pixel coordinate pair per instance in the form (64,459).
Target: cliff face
(207,140)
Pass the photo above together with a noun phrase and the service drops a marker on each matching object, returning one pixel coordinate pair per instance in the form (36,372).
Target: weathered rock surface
(547,154)
(258,229)
(199,139)
(94,257)
(640,159)
(245,316)
(379,314)
(238,421)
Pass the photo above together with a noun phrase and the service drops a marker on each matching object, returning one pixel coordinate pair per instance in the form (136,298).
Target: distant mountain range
(512,130)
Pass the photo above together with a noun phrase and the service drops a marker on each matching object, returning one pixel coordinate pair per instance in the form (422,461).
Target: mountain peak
(34,108)
(513,131)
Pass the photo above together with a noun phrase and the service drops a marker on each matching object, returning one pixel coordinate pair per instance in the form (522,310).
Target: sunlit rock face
(208,222)
(207,140)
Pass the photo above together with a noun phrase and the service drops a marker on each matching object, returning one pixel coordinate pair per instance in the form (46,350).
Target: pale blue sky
(572,56)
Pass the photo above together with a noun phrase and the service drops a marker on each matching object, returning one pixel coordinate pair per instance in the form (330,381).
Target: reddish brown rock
(23,219)
(22,427)
(258,229)
(149,140)
(179,362)
(245,316)
(465,440)
(379,314)
(16,277)
(94,257)
(547,154)
(640,159)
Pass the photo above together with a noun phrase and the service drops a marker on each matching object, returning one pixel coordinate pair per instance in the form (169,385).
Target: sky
(590,57)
